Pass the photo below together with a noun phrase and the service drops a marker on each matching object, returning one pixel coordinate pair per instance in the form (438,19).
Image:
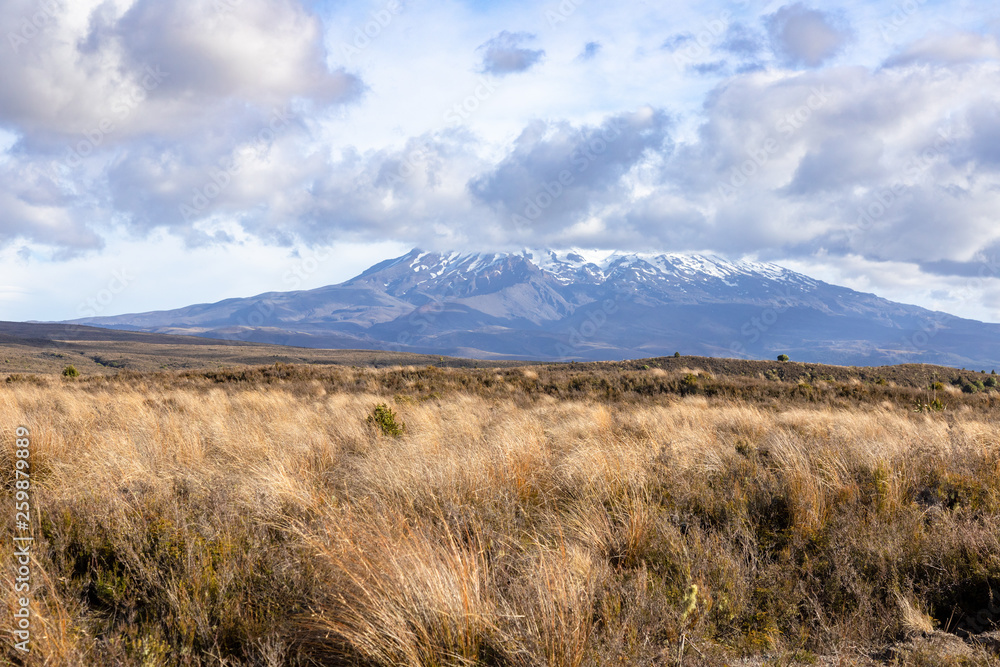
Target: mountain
(575,305)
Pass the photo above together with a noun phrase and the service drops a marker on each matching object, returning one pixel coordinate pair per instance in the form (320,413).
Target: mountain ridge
(584,305)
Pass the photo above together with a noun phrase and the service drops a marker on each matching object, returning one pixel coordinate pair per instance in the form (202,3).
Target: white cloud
(953,48)
(505,53)
(159,66)
(806,36)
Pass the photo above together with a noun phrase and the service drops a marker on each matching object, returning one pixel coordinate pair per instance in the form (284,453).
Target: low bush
(383,418)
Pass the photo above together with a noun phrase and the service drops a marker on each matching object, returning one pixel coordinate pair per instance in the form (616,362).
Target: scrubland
(261,518)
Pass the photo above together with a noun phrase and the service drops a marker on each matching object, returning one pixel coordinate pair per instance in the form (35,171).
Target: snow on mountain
(595,266)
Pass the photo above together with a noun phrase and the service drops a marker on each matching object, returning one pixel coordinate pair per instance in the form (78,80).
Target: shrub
(677,355)
(937,386)
(934,406)
(991,381)
(782,357)
(70,372)
(385,419)
(689,384)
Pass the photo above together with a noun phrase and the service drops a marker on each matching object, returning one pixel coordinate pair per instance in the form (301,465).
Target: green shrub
(70,372)
(782,357)
(677,355)
(385,419)
(937,386)
(934,406)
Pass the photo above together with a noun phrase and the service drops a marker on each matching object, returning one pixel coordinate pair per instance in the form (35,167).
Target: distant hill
(28,347)
(558,306)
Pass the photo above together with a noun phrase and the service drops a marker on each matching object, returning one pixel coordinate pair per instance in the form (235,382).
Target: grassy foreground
(263,518)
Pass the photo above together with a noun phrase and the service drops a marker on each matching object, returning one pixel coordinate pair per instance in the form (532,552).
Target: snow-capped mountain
(586,305)
(596,267)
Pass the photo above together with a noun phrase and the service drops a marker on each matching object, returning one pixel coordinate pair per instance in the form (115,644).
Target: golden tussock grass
(271,524)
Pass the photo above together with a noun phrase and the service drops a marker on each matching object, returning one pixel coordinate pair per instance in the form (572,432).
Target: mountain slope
(576,305)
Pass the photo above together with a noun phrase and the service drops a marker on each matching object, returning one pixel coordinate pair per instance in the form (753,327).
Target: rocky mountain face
(575,305)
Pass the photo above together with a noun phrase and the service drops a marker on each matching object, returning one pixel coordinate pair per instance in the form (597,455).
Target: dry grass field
(529,516)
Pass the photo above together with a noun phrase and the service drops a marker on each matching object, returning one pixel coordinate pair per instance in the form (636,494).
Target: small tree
(782,357)
(71,372)
(383,418)
(677,355)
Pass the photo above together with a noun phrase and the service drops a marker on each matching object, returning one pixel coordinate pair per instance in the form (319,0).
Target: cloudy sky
(167,152)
